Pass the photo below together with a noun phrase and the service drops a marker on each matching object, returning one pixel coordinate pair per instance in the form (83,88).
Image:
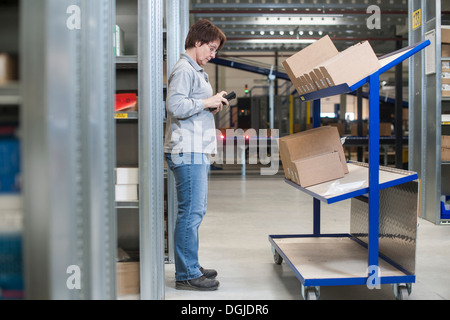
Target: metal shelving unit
(369,254)
(141,144)
(426,107)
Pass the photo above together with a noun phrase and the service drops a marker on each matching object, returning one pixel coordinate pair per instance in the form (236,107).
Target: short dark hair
(205,32)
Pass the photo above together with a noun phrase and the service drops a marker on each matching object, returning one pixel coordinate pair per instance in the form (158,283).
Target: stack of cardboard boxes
(313,156)
(445,71)
(321,65)
(127,184)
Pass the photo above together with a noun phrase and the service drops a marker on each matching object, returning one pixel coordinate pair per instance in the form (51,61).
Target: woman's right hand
(216,102)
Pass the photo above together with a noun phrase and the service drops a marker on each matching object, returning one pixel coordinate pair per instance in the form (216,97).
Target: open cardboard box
(320,65)
(313,156)
(304,61)
(351,65)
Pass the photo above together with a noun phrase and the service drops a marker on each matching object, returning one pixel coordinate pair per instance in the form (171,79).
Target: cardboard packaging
(445,148)
(128,278)
(126,192)
(313,156)
(445,90)
(445,50)
(445,35)
(127,175)
(385,129)
(8,68)
(354,129)
(445,142)
(351,65)
(328,166)
(445,154)
(305,60)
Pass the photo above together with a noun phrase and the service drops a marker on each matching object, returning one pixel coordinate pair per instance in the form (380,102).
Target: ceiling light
(274,41)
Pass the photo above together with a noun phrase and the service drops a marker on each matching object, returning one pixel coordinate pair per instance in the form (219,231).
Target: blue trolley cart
(380,248)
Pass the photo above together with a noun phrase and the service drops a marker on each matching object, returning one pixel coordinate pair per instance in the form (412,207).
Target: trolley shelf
(336,259)
(358,175)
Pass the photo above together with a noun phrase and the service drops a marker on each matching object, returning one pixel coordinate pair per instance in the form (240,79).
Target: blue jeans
(191,178)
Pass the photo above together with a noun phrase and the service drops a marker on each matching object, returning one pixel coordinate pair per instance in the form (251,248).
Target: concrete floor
(243,211)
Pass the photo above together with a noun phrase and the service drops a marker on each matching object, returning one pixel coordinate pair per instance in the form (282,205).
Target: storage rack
(343,258)
(427,106)
(141,71)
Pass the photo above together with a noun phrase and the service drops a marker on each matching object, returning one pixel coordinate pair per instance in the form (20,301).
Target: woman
(190,140)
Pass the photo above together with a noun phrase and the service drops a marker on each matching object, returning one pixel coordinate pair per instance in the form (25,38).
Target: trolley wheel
(402,290)
(310,293)
(277,257)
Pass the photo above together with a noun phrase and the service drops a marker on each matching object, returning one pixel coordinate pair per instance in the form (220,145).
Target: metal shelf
(356,183)
(10,94)
(127,62)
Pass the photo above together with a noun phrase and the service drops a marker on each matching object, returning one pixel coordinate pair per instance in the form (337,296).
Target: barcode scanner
(229,97)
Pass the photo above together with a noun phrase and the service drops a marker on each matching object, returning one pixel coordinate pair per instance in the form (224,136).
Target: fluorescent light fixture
(274,41)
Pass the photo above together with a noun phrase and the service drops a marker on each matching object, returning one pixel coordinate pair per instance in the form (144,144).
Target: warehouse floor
(243,211)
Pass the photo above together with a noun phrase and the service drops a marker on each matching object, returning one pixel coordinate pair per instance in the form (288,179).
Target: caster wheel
(310,293)
(277,258)
(402,291)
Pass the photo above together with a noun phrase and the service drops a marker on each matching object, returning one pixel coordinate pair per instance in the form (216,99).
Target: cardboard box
(354,129)
(445,50)
(312,156)
(445,154)
(128,278)
(8,68)
(445,35)
(127,175)
(351,65)
(445,90)
(385,129)
(304,172)
(340,127)
(445,142)
(305,60)
(126,192)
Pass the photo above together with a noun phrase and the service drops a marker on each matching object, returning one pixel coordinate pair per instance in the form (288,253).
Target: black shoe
(201,284)
(209,273)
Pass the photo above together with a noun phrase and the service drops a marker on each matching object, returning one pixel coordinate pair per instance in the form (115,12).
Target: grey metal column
(177,26)
(425,108)
(98,128)
(54,225)
(151,170)
(67,144)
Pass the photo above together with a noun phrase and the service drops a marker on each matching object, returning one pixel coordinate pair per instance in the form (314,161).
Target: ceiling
(290,25)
